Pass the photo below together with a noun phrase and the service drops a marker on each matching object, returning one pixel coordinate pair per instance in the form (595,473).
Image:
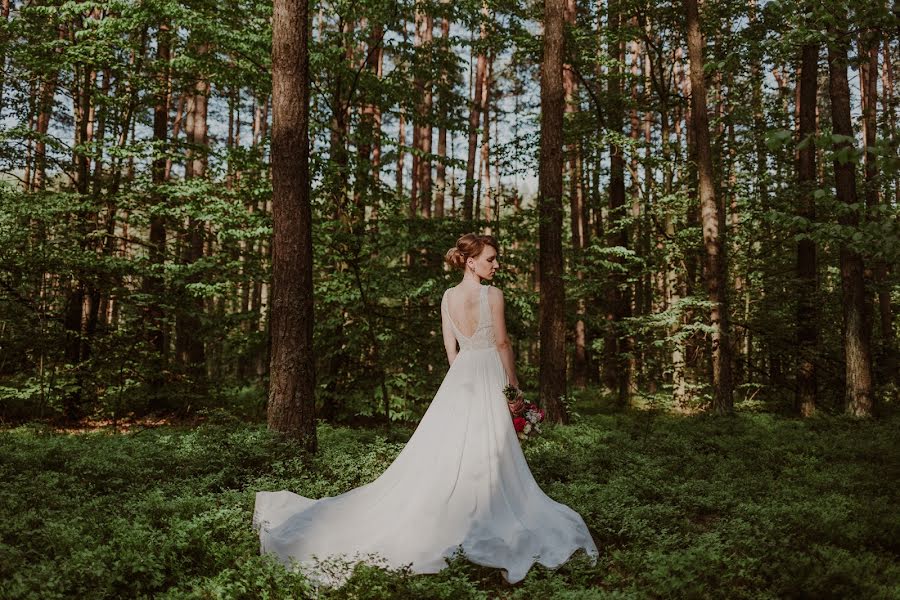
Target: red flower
(519,423)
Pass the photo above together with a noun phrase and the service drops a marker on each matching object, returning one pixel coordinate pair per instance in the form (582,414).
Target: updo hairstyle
(469,245)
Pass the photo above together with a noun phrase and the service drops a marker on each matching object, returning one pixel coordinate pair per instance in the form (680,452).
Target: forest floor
(754,506)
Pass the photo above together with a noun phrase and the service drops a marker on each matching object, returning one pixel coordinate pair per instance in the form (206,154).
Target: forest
(222,238)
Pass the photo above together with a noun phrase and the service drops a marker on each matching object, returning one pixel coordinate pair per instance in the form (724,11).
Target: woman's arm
(447,331)
(504,347)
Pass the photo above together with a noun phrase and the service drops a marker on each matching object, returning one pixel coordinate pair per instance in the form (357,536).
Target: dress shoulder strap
(485,305)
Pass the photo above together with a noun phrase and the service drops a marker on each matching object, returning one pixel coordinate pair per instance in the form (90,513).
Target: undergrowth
(755,506)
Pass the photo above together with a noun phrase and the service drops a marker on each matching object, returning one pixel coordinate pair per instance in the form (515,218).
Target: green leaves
(776,138)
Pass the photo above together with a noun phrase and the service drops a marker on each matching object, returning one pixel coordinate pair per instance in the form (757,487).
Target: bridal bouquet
(526,417)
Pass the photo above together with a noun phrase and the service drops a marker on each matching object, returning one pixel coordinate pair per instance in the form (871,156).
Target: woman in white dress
(460,481)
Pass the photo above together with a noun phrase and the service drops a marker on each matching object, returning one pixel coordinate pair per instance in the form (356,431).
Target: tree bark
(401,153)
(712,220)
(859,393)
(616,365)
(576,214)
(340,129)
(189,336)
(552,290)
(441,170)
(485,195)
(869,44)
(889,351)
(4,12)
(291,409)
(468,196)
(153,283)
(367,130)
(807,311)
(425,26)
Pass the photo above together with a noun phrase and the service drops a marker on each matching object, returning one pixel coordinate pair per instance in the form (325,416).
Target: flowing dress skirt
(461,480)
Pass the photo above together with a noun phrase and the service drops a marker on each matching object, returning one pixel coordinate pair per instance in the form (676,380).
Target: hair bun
(469,245)
(455,258)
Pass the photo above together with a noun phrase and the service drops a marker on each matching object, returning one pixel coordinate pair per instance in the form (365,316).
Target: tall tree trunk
(468,196)
(154,283)
(44,112)
(291,409)
(576,214)
(441,171)
(80,295)
(807,312)
(859,393)
(401,153)
(189,334)
(869,44)
(485,195)
(616,366)
(340,129)
(367,131)
(677,273)
(418,26)
(424,128)
(4,12)
(712,217)
(888,104)
(891,366)
(552,289)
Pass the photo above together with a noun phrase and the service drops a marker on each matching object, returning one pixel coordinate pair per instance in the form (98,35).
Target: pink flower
(519,423)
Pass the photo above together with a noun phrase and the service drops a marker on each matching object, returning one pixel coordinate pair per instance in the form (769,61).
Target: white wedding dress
(461,480)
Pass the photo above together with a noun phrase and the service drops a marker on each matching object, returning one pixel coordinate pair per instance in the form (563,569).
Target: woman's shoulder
(494,292)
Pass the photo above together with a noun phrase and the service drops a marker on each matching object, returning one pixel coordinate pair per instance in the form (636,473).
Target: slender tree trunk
(154,283)
(616,364)
(401,153)
(576,214)
(888,103)
(367,130)
(80,295)
(807,312)
(176,124)
(44,112)
(891,370)
(441,171)
(552,289)
(291,408)
(638,213)
(4,12)
(485,193)
(340,129)
(859,393)
(868,81)
(376,142)
(425,128)
(189,336)
(468,196)
(869,43)
(712,216)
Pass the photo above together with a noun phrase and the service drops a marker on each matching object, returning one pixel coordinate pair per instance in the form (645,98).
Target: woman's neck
(470,280)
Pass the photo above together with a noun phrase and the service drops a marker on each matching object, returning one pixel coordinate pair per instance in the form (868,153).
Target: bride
(461,481)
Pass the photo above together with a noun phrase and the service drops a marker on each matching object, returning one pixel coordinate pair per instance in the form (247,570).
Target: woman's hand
(516,406)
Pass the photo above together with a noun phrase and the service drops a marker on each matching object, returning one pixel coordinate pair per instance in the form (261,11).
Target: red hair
(469,245)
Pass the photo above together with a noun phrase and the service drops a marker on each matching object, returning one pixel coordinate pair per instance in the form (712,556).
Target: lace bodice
(483,337)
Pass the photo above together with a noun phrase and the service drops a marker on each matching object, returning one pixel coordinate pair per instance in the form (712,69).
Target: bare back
(469,316)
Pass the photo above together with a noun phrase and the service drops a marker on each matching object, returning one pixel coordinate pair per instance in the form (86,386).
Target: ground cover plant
(751,506)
